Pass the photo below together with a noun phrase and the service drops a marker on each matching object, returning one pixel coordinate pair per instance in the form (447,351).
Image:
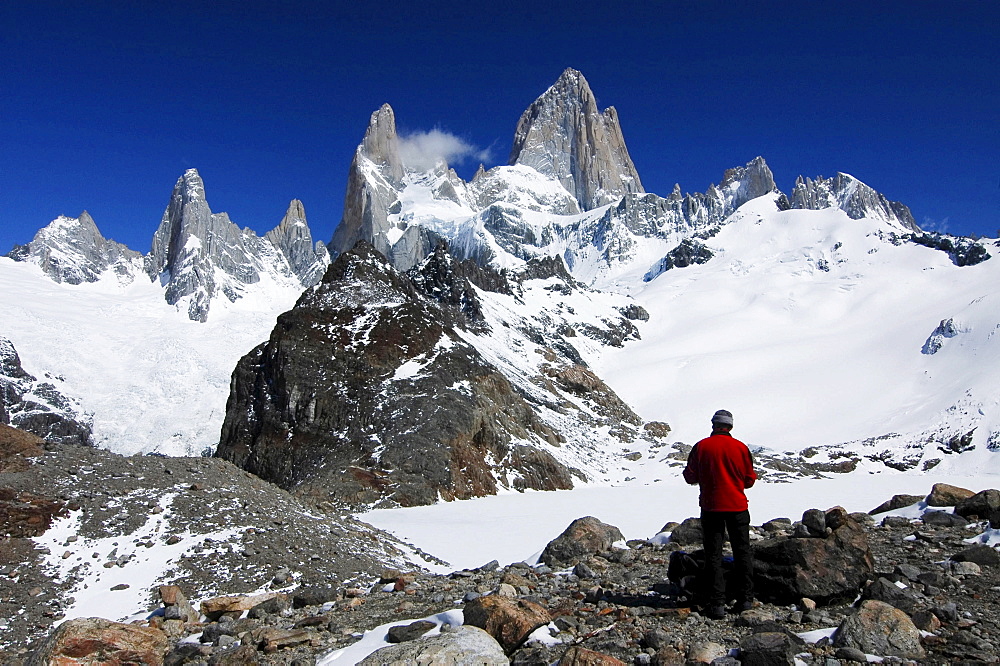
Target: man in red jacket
(722,466)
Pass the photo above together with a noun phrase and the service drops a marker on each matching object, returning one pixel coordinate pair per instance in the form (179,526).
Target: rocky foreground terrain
(289,585)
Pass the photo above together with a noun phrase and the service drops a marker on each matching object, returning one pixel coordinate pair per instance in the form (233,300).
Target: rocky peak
(741,184)
(293,238)
(855,198)
(563,134)
(373,182)
(191,243)
(72,250)
(381,144)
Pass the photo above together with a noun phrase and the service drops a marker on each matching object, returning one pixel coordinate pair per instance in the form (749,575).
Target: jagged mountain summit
(571,190)
(72,250)
(830,277)
(198,256)
(562,134)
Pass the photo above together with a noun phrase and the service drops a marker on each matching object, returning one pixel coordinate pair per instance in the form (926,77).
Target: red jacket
(723,467)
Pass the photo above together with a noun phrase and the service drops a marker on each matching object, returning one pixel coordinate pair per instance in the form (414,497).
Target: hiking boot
(715,612)
(741,606)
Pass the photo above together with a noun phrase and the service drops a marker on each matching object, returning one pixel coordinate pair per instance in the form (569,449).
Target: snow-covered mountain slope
(199,257)
(819,330)
(152,379)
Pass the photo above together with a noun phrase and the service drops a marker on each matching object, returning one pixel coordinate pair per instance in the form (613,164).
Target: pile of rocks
(925,594)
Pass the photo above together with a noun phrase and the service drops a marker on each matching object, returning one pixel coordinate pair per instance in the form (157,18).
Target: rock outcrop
(563,134)
(366,393)
(37,406)
(849,194)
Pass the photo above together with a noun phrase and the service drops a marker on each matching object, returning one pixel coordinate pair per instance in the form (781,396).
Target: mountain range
(544,324)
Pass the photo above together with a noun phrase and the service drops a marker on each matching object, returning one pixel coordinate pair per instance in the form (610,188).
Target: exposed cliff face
(373,185)
(366,392)
(853,197)
(292,237)
(563,134)
(199,255)
(191,243)
(36,406)
(72,250)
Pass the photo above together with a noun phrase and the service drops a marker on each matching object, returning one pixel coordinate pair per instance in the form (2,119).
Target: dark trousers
(714,525)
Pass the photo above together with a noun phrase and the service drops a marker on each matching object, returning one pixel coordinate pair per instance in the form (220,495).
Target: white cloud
(423,150)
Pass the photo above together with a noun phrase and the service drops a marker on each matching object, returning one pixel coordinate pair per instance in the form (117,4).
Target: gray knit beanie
(723,417)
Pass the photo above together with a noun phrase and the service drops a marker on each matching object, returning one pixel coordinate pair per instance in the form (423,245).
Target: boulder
(826,570)
(705,652)
(814,521)
(769,648)
(984,504)
(880,629)
(943,494)
(93,640)
(232,605)
(905,599)
(584,536)
(943,519)
(897,502)
(509,621)
(462,645)
(176,606)
(688,533)
(578,656)
(403,633)
(981,554)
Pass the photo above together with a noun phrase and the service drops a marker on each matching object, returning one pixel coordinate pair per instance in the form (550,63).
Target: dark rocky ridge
(312,409)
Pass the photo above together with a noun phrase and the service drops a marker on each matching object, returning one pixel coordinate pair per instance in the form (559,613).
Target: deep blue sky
(103,105)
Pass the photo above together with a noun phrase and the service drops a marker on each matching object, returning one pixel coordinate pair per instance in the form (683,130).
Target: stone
(314,595)
(815,522)
(943,519)
(409,632)
(705,652)
(965,569)
(688,533)
(578,656)
(272,639)
(984,504)
(926,620)
(943,494)
(176,605)
(880,629)
(276,605)
(96,640)
(584,536)
(851,654)
(981,554)
(464,645)
(770,648)
(825,570)
(668,656)
(233,605)
(508,621)
(884,590)
(897,502)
